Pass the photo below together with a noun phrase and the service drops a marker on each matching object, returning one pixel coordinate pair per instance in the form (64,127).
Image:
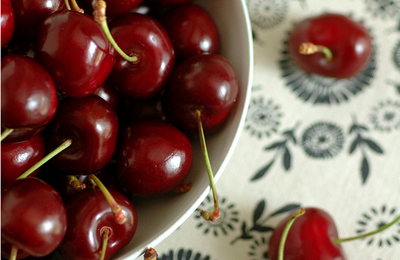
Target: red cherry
(310,238)
(92,125)
(16,158)
(89,214)
(141,36)
(204,82)
(108,92)
(114,7)
(154,158)
(75,51)
(191,29)
(7,22)
(21,134)
(28,94)
(33,216)
(170,2)
(349,42)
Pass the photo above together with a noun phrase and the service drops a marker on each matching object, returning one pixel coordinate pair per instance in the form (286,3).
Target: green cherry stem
(67,5)
(340,240)
(45,159)
(99,14)
(207,215)
(6,132)
(308,48)
(14,252)
(105,233)
(285,233)
(115,207)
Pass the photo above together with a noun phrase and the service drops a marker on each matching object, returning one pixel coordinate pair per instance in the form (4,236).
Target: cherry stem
(285,233)
(76,184)
(13,254)
(340,240)
(150,254)
(105,234)
(76,7)
(207,215)
(115,207)
(6,132)
(67,5)
(99,7)
(45,159)
(308,48)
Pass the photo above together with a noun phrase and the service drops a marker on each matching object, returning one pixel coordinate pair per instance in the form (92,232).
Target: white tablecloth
(309,141)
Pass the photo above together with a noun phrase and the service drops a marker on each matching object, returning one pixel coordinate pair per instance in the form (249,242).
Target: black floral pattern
(182,254)
(266,14)
(396,55)
(383,8)
(385,116)
(258,249)
(323,140)
(263,117)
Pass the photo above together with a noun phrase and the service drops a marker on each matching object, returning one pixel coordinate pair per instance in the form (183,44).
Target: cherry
(7,22)
(154,158)
(92,125)
(16,158)
(170,2)
(20,134)
(29,97)
(142,37)
(108,92)
(75,51)
(114,7)
(27,222)
(339,47)
(191,30)
(90,219)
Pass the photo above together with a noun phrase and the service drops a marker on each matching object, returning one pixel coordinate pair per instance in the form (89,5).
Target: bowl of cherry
(118,117)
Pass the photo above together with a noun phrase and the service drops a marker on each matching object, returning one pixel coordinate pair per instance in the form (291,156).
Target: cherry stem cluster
(99,7)
(207,215)
(45,159)
(119,215)
(5,133)
(285,233)
(308,48)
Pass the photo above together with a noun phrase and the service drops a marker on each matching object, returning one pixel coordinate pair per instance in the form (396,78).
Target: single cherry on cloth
(92,125)
(192,30)
(154,158)
(33,216)
(7,22)
(337,46)
(16,158)
(28,93)
(90,219)
(75,51)
(311,237)
(142,37)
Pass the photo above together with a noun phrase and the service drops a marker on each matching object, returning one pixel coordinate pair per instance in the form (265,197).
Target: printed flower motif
(386,116)
(181,254)
(376,218)
(258,249)
(319,89)
(383,8)
(266,14)
(396,55)
(262,117)
(229,217)
(323,140)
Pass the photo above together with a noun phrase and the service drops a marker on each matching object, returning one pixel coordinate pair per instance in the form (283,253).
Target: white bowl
(159,217)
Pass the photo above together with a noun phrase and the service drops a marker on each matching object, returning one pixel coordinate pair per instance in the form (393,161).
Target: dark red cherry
(108,92)
(75,51)
(16,158)
(89,215)
(191,30)
(204,82)
(22,134)
(7,22)
(33,216)
(6,251)
(310,238)
(349,42)
(28,94)
(141,36)
(154,158)
(113,8)
(170,2)
(92,124)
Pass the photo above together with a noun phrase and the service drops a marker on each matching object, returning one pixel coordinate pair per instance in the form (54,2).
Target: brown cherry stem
(150,254)
(45,159)
(14,252)
(6,132)
(119,215)
(105,233)
(308,48)
(340,240)
(99,7)
(75,183)
(285,232)
(213,216)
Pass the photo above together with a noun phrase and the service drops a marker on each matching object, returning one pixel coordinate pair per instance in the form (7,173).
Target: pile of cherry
(99,103)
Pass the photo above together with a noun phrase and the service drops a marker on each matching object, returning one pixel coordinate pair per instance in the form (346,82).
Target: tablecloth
(309,141)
